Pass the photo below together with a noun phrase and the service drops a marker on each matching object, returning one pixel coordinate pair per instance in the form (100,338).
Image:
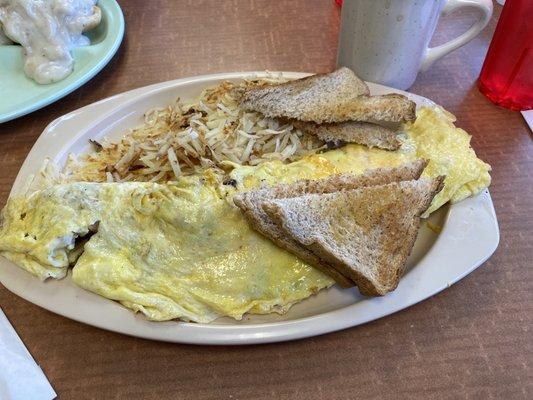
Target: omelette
(169,251)
(182,250)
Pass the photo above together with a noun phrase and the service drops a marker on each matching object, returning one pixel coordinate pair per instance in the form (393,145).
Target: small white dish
(469,236)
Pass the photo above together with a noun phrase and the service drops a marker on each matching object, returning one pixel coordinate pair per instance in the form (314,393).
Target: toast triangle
(335,97)
(250,203)
(366,234)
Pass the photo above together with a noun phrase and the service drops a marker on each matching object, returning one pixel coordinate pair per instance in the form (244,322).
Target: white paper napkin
(528,116)
(20,377)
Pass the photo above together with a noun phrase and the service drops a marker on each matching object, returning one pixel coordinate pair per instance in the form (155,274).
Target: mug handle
(432,54)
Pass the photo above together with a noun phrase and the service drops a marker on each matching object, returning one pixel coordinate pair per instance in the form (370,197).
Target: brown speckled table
(474,340)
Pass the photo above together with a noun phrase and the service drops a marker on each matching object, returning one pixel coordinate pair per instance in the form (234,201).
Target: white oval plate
(469,236)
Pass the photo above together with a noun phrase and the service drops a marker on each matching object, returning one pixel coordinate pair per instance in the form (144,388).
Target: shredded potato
(185,138)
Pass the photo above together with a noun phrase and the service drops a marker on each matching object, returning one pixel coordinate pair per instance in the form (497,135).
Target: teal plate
(20,95)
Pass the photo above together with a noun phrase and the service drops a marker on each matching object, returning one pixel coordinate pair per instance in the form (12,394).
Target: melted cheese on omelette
(185,251)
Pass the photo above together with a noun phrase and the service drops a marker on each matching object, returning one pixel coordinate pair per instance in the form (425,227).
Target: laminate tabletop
(473,340)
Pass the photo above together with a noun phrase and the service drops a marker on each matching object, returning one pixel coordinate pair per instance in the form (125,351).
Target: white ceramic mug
(386,41)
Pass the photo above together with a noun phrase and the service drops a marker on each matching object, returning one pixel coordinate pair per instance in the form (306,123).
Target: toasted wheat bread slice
(365,133)
(392,107)
(335,97)
(313,91)
(366,234)
(250,203)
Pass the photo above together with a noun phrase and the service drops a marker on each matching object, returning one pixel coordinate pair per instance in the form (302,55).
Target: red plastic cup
(507,74)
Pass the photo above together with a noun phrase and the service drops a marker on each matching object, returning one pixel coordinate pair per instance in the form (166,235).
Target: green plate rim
(114,36)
